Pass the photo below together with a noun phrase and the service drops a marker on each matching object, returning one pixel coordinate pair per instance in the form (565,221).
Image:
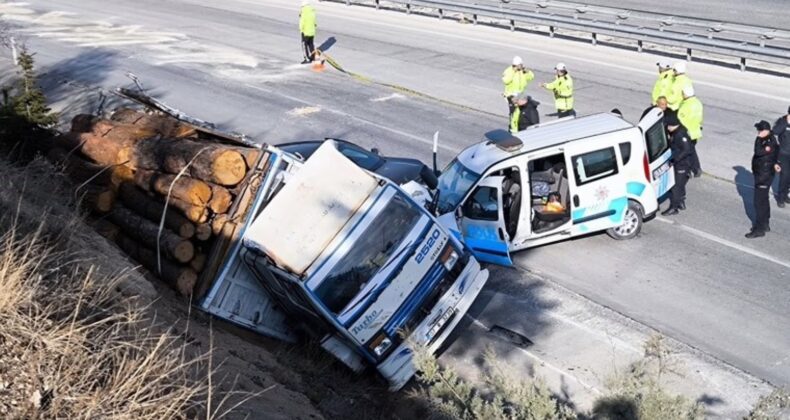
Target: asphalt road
(693,277)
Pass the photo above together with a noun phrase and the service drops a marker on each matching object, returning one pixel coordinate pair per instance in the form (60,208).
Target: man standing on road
(307,27)
(764,166)
(515,78)
(663,86)
(681,145)
(782,132)
(690,115)
(525,115)
(562,87)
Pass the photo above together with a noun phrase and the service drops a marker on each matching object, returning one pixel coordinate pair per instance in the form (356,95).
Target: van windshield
(454,183)
(369,253)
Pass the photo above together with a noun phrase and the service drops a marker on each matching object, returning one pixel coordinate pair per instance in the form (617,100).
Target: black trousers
(309,47)
(784,177)
(762,206)
(566,113)
(695,166)
(678,196)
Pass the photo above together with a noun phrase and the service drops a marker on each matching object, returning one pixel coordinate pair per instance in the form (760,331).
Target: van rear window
(656,138)
(595,165)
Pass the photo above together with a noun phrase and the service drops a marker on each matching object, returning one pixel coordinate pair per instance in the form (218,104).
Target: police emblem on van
(426,249)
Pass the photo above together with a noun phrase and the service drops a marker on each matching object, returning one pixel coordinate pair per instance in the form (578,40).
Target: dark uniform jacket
(782,132)
(682,149)
(766,152)
(529,114)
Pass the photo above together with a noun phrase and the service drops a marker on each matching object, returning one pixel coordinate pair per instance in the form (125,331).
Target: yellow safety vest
(307,21)
(690,115)
(663,86)
(516,81)
(562,87)
(675,96)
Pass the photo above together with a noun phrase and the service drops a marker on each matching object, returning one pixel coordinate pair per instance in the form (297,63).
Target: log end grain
(184,251)
(228,167)
(203,232)
(186,281)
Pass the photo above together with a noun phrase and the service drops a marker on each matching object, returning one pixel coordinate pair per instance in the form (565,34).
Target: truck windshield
(454,183)
(371,251)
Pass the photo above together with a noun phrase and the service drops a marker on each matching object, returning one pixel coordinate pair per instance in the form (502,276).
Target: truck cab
(348,258)
(555,181)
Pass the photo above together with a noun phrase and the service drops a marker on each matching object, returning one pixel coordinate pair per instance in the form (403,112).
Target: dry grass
(71,345)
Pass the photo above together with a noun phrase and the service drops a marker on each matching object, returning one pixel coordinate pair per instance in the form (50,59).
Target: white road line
(722,241)
(355,118)
(541,362)
(521,47)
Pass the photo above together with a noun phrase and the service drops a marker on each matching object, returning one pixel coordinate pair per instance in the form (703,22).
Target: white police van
(605,173)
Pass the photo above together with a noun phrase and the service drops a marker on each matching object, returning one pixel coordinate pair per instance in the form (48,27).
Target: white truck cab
(555,181)
(350,259)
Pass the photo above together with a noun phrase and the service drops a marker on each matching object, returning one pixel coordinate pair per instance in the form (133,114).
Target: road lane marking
(722,241)
(509,46)
(388,98)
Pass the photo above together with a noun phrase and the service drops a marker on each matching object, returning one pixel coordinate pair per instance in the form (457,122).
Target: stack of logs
(128,166)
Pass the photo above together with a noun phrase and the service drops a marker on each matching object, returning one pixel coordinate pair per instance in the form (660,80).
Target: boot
(755,233)
(670,211)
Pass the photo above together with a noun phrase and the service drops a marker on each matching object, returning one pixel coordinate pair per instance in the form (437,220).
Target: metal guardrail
(744,42)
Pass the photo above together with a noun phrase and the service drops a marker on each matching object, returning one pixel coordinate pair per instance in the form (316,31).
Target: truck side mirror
(375,151)
(429,178)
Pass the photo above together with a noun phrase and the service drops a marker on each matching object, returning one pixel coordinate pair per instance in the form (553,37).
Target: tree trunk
(106,229)
(221,199)
(203,232)
(151,208)
(214,163)
(179,278)
(218,223)
(250,155)
(163,125)
(171,245)
(195,214)
(192,191)
(97,198)
(198,262)
(81,170)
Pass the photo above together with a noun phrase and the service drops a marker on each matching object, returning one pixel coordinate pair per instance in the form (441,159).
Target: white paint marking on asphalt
(304,111)
(725,242)
(388,98)
(542,362)
(358,119)
(546,52)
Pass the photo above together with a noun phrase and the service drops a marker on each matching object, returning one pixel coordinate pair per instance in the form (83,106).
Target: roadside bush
(774,406)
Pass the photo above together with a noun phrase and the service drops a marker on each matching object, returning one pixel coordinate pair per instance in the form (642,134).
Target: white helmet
(688,91)
(305,2)
(679,67)
(560,67)
(517,61)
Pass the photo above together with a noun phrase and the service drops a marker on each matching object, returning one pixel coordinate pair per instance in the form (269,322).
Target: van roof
(482,155)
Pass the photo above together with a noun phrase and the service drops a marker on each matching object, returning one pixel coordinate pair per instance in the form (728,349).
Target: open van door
(658,168)
(235,295)
(483,223)
(597,185)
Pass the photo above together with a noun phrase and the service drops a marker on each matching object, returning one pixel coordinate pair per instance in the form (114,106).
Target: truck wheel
(632,223)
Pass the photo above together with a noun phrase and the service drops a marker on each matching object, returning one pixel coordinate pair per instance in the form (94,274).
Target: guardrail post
(594,38)
(551,32)
(512,25)
(474,19)
(377,4)
(441,13)
(348,2)
(639,45)
(408,8)
(743,63)
(688,54)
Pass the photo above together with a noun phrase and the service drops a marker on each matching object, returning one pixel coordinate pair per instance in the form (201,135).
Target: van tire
(632,223)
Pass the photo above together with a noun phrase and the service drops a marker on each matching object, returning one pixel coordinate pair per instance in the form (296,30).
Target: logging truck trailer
(334,253)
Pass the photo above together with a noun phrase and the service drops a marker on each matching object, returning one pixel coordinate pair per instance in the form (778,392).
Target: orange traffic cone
(318,61)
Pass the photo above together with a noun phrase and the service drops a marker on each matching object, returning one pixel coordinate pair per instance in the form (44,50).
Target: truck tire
(632,223)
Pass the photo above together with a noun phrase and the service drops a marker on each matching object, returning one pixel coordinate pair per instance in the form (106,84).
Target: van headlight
(380,344)
(449,258)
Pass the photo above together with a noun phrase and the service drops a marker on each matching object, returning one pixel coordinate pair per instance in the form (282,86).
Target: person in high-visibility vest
(679,81)
(562,87)
(525,115)
(307,27)
(515,78)
(690,115)
(663,85)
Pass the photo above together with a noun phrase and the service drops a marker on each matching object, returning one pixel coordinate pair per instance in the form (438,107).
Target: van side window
(595,165)
(656,139)
(625,152)
(482,204)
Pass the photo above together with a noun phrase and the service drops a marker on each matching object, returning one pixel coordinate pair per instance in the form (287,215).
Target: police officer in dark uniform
(764,166)
(682,151)
(782,132)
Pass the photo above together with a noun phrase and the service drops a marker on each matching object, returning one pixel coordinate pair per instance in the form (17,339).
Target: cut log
(151,208)
(178,277)
(106,229)
(250,155)
(83,123)
(164,125)
(221,199)
(212,163)
(81,170)
(192,191)
(97,198)
(218,223)
(198,262)
(145,231)
(203,232)
(195,214)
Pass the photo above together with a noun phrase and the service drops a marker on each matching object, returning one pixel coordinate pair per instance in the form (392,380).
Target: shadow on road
(743,182)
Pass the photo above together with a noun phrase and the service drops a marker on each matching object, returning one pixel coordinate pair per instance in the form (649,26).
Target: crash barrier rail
(744,42)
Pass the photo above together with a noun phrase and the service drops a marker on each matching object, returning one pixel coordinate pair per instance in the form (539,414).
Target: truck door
(658,168)
(483,223)
(597,185)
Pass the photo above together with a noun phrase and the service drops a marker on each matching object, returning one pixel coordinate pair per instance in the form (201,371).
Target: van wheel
(632,223)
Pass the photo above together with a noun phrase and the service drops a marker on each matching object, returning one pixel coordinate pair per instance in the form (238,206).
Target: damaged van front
(354,262)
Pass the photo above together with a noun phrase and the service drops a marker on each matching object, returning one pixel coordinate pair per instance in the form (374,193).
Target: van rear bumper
(398,368)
